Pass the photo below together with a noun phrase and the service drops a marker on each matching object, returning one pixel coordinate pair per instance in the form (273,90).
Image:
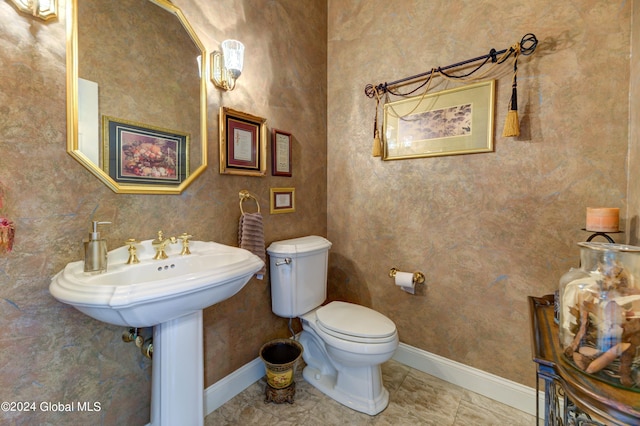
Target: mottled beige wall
(486,229)
(51,352)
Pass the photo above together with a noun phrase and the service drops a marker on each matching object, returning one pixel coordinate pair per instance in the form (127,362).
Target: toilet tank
(298,270)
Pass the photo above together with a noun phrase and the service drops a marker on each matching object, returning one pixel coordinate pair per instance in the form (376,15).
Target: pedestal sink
(168,295)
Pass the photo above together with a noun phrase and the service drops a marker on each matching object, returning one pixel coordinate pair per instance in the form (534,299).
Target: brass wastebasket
(280,357)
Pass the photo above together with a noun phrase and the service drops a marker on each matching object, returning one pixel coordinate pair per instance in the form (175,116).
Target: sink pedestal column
(177,388)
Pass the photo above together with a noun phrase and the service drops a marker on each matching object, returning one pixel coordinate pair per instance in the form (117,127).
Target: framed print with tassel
(450,122)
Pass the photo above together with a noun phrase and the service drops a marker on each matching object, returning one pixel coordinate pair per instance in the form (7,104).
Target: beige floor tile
(469,414)
(415,398)
(473,401)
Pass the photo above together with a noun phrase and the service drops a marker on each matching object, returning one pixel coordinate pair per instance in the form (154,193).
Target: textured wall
(51,352)
(486,229)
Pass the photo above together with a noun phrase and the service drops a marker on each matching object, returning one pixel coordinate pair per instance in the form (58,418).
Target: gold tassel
(377,145)
(511,124)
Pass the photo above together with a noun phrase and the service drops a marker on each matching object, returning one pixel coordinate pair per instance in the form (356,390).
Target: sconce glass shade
(227,65)
(43,9)
(233,54)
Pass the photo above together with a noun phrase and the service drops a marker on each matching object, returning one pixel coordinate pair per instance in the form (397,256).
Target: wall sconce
(226,66)
(43,9)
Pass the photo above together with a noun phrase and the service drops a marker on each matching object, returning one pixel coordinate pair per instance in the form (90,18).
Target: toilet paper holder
(418,277)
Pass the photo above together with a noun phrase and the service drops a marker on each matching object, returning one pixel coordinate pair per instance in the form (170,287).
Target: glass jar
(599,325)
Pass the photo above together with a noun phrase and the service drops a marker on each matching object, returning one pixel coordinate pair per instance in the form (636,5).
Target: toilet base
(369,401)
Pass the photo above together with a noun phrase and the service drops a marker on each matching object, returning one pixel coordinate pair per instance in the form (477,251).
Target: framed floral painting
(137,153)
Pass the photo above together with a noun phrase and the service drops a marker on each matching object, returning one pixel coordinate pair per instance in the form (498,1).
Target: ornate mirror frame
(72,111)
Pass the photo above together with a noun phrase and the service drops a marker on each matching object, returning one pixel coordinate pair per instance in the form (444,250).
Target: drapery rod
(528,45)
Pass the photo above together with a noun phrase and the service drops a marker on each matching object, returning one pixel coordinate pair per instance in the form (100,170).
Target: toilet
(344,343)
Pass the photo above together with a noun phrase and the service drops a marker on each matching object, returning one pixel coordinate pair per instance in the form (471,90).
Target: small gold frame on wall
(450,122)
(243,143)
(282,200)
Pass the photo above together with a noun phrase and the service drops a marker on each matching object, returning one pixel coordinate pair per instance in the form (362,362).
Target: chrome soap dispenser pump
(95,250)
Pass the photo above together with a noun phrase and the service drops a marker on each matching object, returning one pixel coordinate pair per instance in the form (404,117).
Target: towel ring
(245,195)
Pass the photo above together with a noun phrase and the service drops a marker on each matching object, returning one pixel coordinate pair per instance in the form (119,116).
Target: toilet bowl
(345,365)
(344,343)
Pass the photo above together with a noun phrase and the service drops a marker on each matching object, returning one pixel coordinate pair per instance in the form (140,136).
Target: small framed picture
(136,153)
(243,143)
(280,153)
(282,200)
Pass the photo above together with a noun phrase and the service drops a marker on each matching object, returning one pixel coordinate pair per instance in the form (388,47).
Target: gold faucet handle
(160,238)
(185,243)
(133,257)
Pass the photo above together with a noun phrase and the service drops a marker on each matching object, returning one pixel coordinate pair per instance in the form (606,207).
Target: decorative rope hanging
(377,144)
(526,46)
(424,94)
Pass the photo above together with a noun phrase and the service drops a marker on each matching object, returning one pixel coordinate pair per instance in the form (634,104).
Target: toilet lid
(354,320)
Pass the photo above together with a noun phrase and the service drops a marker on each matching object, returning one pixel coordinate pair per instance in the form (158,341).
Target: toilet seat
(355,323)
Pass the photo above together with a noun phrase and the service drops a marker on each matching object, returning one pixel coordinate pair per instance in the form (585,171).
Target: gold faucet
(160,244)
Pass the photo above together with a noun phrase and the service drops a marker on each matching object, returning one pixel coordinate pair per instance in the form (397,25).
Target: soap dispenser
(95,250)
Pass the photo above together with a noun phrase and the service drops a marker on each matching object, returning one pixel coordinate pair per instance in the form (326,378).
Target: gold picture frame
(282,200)
(450,122)
(137,153)
(243,143)
(280,153)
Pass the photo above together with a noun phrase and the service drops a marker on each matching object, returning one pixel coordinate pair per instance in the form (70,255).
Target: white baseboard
(226,388)
(497,388)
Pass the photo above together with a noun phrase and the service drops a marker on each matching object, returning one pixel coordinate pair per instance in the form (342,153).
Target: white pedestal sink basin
(168,295)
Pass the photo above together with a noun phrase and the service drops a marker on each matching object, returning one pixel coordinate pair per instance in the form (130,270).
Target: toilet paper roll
(405,281)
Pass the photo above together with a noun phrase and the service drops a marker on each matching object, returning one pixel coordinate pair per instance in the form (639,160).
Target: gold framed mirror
(136,95)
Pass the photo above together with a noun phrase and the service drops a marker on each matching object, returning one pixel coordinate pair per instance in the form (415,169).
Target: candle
(603,219)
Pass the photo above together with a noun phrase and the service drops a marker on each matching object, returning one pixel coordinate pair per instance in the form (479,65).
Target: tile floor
(415,398)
